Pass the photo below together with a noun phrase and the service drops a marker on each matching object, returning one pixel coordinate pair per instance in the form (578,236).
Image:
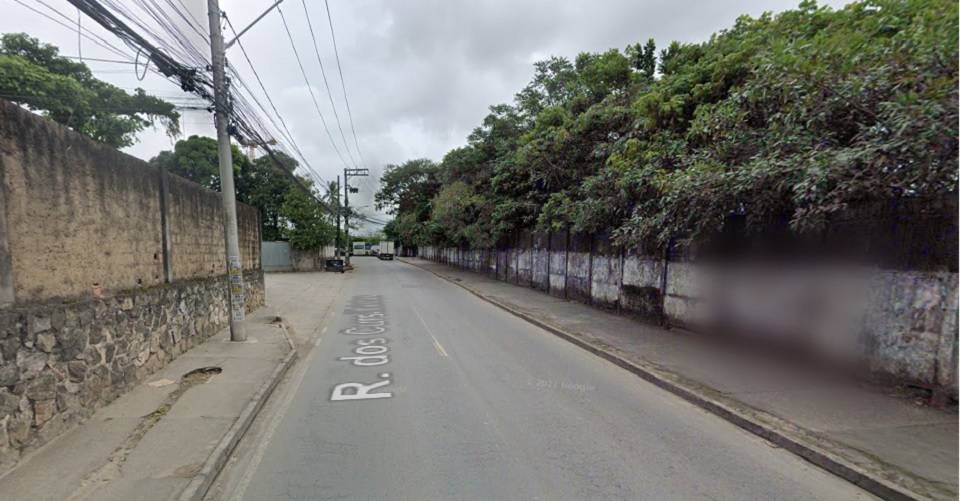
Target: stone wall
(109,269)
(899,324)
(62,361)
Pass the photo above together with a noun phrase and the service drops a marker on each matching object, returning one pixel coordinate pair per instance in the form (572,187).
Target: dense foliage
(36,76)
(780,121)
(287,210)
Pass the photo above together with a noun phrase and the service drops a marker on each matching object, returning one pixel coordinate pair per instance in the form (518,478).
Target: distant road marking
(436,344)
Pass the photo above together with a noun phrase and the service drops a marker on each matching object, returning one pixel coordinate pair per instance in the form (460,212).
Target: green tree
(34,75)
(408,187)
(643,58)
(781,121)
(264,184)
(197,159)
(308,226)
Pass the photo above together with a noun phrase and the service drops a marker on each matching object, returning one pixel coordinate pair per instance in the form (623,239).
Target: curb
(858,468)
(201,483)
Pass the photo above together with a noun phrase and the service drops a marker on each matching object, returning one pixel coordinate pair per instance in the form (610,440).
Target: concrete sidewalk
(167,437)
(886,443)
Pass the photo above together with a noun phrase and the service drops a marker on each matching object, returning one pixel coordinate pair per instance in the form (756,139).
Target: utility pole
(234,267)
(347,247)
(337,207)
(346,203)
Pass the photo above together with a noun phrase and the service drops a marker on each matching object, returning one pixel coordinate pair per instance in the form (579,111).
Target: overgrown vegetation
(780,121)
(34,75)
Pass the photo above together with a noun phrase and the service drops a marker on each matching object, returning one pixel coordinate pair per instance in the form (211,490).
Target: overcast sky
(420,74)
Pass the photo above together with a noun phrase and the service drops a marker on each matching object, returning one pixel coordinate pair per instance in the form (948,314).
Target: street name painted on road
(373,351)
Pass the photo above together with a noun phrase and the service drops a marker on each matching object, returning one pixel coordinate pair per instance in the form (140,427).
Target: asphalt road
(457,399)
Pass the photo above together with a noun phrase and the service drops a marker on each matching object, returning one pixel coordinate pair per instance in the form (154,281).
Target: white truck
(360,249)
(385,251)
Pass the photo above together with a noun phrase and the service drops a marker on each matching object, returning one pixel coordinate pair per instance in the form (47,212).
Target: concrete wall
(558,263)
(641,289)
(605,274)
(109,269)
(278,256)
(79,215)
(540,256)
(578,270)
(899,324)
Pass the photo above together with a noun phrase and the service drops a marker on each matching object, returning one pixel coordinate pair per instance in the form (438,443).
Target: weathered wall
(196,230)
(558,263)
(578,268)
(540,256)
(525,259)
(605,274)
(78,214)
(641,291)
(900,324)
(109,269)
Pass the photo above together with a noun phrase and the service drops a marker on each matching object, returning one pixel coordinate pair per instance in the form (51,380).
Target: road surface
(419,390)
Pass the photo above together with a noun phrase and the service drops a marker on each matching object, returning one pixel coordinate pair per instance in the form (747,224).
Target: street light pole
(234,267)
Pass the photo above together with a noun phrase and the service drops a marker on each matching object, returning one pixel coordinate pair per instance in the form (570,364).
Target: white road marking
(436,344)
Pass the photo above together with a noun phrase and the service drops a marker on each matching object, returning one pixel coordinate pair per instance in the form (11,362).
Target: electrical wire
(336,53)
(155,43)
(310,87)
(323,72)
(266,94)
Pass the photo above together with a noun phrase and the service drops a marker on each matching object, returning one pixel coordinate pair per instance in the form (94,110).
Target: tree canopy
(33,74)
(197,159)
(288,210)
(779,121)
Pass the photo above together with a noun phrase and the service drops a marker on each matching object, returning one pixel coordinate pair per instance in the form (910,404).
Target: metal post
(234,268)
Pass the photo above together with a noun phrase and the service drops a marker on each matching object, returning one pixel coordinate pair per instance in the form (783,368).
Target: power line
(86,33)
(310,87)
(269,99)
(190,79)
(244,124)
(336,53)
(323,72)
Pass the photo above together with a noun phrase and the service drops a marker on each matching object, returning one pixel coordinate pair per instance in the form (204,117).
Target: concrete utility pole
(347,247)
(338,209)
(234,267)
(346,203)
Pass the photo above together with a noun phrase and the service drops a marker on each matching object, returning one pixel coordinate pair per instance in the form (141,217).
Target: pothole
(201,375)
(112,468)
